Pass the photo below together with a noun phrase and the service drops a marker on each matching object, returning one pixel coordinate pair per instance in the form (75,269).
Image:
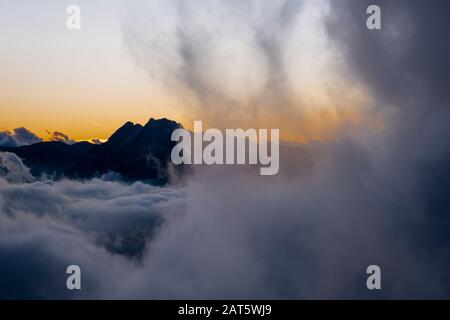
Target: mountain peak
(134,151)
(124,134)
(163,122)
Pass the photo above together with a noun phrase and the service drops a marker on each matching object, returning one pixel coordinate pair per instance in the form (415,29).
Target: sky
(81,82)
(130,61)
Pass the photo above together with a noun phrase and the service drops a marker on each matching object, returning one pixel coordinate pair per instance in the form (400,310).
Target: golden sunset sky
(87,83)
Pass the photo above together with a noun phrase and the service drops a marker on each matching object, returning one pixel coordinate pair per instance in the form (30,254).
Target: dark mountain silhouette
(136,152)
(124,134)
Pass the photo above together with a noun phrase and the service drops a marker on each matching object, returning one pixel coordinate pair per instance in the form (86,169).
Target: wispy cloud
(60,137)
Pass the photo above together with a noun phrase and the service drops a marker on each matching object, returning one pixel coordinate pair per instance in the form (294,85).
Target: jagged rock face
(136,152)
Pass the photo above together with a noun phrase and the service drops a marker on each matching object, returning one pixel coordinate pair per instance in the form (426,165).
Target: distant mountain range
(136,152)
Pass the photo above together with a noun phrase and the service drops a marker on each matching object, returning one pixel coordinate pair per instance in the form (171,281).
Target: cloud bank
(100,225)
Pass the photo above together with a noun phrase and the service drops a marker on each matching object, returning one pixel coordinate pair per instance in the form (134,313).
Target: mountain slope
(136,152)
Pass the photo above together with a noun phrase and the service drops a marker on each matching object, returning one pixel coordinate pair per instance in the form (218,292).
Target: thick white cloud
(20,137)
(228,233)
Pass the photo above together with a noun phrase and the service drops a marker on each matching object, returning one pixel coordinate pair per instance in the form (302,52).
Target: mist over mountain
(136,152)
